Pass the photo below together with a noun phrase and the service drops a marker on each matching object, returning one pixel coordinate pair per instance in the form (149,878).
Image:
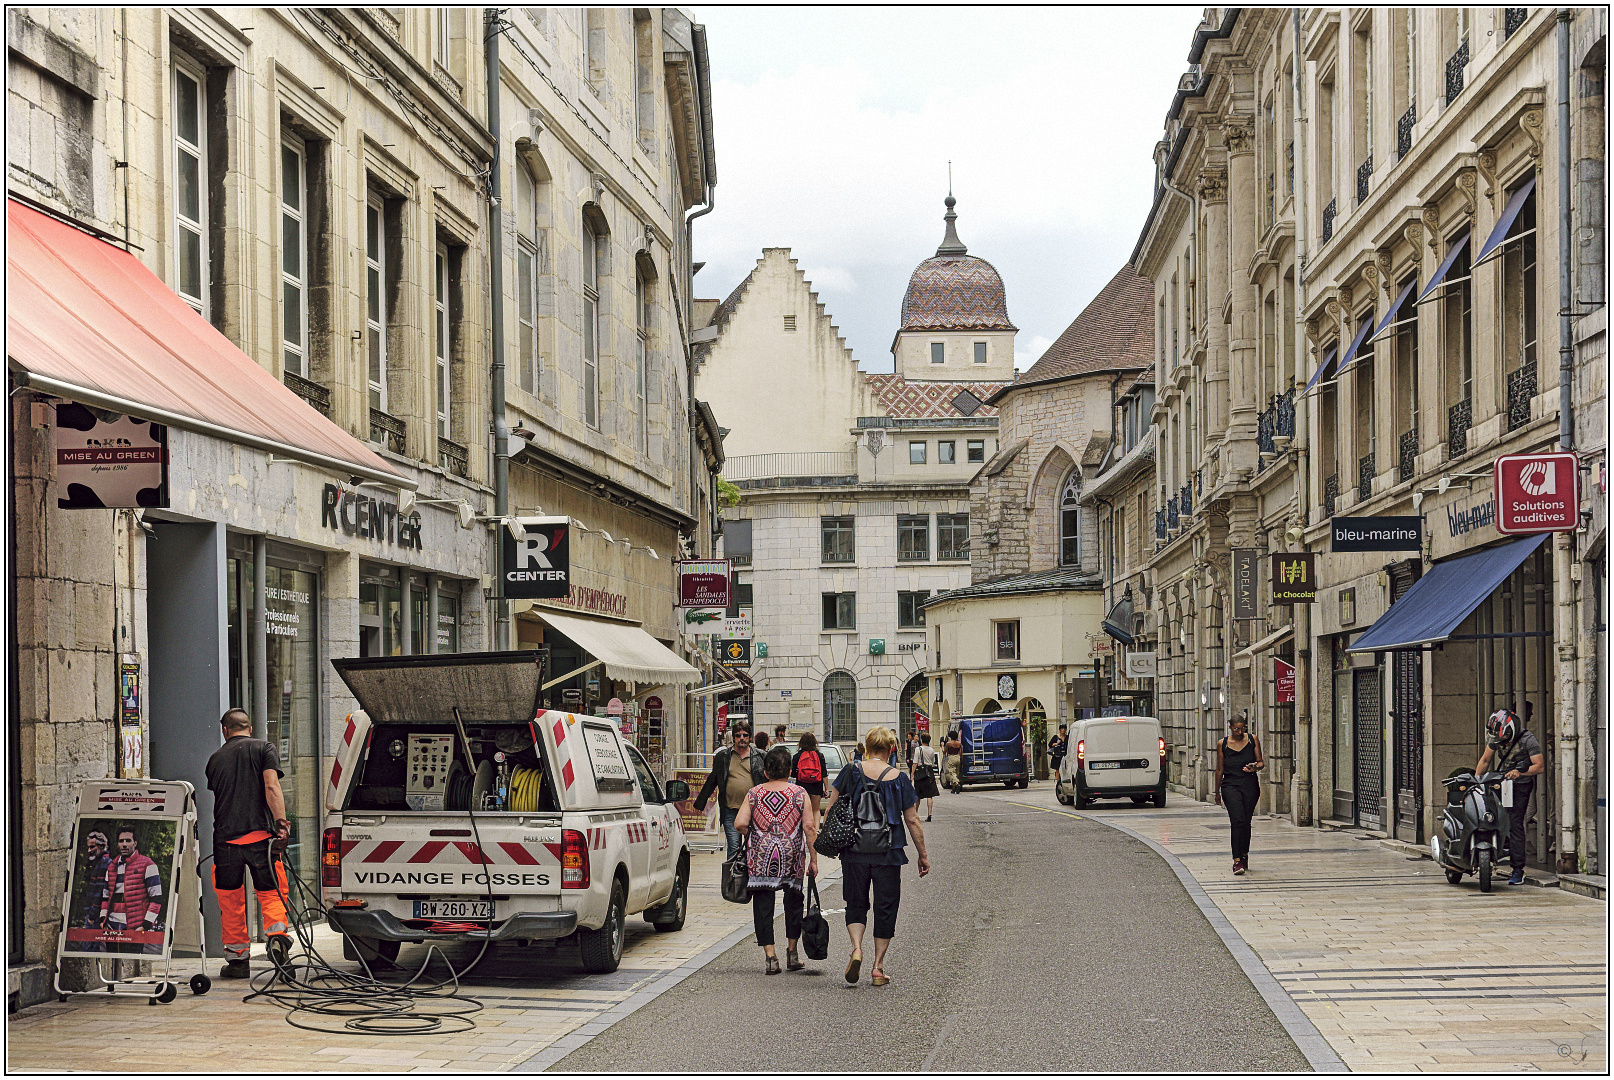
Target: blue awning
(1318,375)
(1356,343)
(1444,597)
(1389,316)
(1509,215)
(1444,268)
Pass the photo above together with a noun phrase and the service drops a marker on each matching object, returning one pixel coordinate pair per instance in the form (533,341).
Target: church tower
(955,318)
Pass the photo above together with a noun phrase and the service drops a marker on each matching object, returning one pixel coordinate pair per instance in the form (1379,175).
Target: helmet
(1501,729)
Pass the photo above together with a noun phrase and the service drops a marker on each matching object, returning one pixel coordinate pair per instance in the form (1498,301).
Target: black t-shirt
(235,777)
(1519,754)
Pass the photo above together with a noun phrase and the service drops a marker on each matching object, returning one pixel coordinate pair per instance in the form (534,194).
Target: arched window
(840,707)
(913,702)
(1069,522)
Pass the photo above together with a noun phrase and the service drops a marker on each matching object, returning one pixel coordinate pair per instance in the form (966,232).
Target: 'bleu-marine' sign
(1378,533)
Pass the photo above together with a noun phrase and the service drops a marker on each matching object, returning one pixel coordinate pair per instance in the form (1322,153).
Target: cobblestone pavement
(1399,971)
(531,999)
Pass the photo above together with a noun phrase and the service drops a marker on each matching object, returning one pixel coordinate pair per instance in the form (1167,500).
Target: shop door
(1406,716)
(1369,717)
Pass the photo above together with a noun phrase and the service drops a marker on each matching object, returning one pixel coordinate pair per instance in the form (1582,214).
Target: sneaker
(236,969)
(1517,878)
(1238,866)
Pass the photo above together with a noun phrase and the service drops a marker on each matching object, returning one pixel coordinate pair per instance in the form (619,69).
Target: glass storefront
(448,623)
(380,611)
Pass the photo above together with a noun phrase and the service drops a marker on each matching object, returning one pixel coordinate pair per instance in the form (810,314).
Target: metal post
(431,613)
(1570,825)
(258,643)
(501,429)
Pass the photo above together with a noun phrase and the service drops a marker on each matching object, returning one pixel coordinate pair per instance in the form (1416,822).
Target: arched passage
(914,701)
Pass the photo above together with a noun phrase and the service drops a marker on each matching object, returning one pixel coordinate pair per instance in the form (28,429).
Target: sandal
(792,961)
(879,978)
(773,966)
(853,966)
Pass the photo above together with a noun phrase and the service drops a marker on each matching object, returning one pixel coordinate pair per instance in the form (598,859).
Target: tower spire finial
(951,244)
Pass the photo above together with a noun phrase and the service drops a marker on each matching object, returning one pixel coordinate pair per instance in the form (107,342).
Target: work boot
(236,969)
(279,950)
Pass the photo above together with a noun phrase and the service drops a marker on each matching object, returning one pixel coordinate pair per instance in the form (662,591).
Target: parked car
(835,759)
(1113,757)
(459,810)
(994,750)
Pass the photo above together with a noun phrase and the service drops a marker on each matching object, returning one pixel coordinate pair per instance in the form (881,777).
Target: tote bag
(737,876)
(814,927)
(839,827)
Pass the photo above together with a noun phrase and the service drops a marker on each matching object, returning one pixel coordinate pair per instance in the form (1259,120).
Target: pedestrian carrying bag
(873,829)
(837,830)
(810,766)
(814,927)
(737,876)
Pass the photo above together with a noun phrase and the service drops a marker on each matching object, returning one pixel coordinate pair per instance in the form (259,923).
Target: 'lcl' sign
(1537,493)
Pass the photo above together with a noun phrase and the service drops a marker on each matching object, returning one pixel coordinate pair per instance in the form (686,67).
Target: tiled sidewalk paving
(530,999)
(1398,970)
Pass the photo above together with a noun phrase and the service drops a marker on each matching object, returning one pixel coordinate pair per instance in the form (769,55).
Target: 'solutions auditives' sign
(1537,493)
(540,566)
(1294,578)
(1377,533)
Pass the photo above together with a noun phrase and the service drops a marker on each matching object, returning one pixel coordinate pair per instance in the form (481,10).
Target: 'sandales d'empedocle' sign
(703,583)
(1537,493)
(104,464)
(539,567)
(1294,577)
(1377,533)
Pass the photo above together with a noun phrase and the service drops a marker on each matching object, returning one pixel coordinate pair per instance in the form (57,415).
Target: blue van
(994,750)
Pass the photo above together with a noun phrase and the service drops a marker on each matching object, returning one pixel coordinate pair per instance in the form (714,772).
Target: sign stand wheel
(165,993)
(200,984)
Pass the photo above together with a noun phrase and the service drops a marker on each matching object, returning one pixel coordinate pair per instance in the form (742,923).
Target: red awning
(88,322)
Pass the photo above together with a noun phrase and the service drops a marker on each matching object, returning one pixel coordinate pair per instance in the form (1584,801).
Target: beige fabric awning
(627,652)
(1265,643)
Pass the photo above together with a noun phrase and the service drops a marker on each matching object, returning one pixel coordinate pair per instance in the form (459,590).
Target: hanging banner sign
(734,652)
(1537,493)
(1377,533)
(1244,588)
(703,583)
(100,464)
(1284,681)
(1294,577)
(538,567)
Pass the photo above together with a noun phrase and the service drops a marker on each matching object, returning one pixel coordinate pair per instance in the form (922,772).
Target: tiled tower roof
(954,290)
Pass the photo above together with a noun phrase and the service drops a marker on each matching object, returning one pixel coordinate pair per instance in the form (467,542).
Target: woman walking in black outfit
(1238,759)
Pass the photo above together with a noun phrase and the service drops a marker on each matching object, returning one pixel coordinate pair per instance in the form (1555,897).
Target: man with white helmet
(1520,760)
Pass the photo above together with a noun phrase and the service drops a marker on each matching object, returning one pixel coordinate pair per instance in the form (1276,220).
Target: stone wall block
(72,686)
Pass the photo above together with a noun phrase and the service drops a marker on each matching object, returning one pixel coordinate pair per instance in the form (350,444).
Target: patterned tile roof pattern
(1060,580)
(904,400)
(1114,332)
(955,292)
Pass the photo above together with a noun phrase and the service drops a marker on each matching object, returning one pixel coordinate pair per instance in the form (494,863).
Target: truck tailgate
(438,854)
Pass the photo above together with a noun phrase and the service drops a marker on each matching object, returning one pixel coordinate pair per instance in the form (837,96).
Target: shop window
(1007,634)
(737,541)
(938,352)
(840,707)
(836,534)
(294,256)
(840,611)
(380,612)
(945,452)
(910,609)
(916,453)
(448,623)
(975,450)
(952,536)
(192,185)
(913,537)
(1070,522)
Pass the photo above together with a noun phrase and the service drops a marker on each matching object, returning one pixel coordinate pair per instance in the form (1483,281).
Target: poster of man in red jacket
(123,894)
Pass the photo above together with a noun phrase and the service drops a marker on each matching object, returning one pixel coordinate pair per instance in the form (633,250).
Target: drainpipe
(1572,742)
(1301,807)
(501,429)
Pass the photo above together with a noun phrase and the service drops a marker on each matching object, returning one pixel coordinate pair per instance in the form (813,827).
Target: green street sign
(876,646)
(762,650)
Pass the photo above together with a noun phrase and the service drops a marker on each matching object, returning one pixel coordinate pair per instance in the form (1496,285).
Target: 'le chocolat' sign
(360,515)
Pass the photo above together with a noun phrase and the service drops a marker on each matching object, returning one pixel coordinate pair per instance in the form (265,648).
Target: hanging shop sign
(1294,577)
(1377,533)
(1537,493)
(1283,681)
(734,652)
(703,583)
(737,626)
(102,464)
(538,567)
(1140,665)
(375,519)
(1244,587)
(701,621)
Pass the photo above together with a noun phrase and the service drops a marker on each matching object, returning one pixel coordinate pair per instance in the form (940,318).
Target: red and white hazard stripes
(346,757)
(636,832)
(563,757)
(449,852)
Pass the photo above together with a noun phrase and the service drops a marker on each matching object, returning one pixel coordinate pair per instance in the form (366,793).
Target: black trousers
(232,861)
(762,914)
(1239,797)
(886,881)
(1517,814)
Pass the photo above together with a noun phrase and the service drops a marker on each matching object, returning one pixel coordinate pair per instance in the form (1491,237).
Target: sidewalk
(1398,970)
(532,998)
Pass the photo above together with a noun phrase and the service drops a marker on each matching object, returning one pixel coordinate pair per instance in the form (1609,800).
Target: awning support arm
(569,674)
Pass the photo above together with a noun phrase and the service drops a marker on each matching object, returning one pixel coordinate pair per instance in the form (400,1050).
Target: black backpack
(873,835)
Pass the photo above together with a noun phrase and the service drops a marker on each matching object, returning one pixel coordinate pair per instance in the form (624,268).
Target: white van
(1111,757)
(458,810)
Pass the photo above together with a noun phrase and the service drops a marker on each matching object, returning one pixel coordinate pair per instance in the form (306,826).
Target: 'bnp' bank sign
(538,566)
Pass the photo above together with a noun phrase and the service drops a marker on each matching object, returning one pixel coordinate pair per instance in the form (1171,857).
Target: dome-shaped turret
(954,290)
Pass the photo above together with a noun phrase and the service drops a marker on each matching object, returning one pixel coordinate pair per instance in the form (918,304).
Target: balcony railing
(1330,494)
(387,430)
(1521,391)
(311,392)
(767,466)
(1289,153)
(1186,496)
(1159,524)
(1458,420)
(1199,482)
(452,457)
(1172,516)
(1366,470)
(953,553)
(1406,466)
(1512,19)
(1403,130)
(1454,72)
(1364,174)
(1284,403)
(1328,220)
(1264,423)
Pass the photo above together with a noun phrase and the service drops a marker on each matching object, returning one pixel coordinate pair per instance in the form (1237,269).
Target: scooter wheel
(1454,877)
(200,984)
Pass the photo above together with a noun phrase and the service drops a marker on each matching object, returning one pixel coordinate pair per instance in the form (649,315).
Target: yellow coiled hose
(525,787)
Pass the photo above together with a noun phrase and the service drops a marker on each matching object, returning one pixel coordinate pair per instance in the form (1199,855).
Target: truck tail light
(1081,754)
(330,859)
(1162,749)
(573,860)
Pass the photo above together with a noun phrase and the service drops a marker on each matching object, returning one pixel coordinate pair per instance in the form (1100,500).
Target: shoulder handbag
(839,827)
(737,875)
(814,927)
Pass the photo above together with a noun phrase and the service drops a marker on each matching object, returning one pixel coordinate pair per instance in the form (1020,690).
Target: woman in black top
(1238,759)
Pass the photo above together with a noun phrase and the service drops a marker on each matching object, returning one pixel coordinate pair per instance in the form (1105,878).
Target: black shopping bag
(814,927)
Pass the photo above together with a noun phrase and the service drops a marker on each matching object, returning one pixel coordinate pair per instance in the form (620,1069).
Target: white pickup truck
(459,810)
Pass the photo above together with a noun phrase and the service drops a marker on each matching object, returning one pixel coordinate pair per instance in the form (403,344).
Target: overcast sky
(834,127)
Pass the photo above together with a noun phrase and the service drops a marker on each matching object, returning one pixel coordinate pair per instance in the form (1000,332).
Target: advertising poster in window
(120,888)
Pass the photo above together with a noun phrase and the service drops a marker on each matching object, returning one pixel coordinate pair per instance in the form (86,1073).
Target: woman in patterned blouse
(779,825)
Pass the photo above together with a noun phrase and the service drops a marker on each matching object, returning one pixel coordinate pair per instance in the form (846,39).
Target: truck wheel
(1059,793)
(677,905)
(373,951)
(1454,877)
(1081,800)
(1485,870)
(1024,781)
(602,948)
(1160,794)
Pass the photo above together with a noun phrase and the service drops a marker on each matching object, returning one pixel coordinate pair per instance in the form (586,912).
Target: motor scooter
(1472,827)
